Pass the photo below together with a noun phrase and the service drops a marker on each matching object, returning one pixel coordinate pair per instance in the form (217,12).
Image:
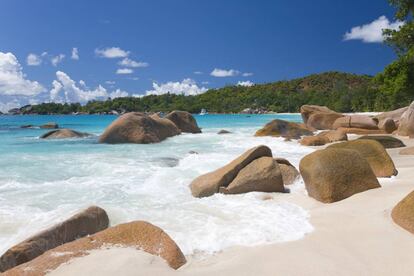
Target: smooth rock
(289,172)
(308,110)
(388,125)
(139,128)
(324,138)
(376,155)
(50,125)
(395,115)
(261,175)
(356,121)
(323,120)
(334,174)
(406,126)
(403,213)
(209,184)
(387,142)
(64,133)
(87,222)
(184,121)
(137,234)
(361,131)
(281,128)
(407,151)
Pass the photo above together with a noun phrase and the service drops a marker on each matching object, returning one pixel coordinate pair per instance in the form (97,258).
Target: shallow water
(44,181)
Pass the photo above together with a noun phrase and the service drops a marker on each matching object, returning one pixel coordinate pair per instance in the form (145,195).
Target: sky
(75,51)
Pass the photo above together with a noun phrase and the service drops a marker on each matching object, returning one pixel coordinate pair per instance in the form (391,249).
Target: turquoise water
(44,181)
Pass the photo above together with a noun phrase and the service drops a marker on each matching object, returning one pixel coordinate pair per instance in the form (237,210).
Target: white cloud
(205,82)
(57,59)
(110,82)
(65,90)
(245,83)
(113,52)
(198,72)
(247,74)
(186,87)
(33,60)
(127,62)
(372,32)
(224,73)
(124,71)
(12,79)
(75,54)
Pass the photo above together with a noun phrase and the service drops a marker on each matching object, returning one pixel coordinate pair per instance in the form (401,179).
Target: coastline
(355,236)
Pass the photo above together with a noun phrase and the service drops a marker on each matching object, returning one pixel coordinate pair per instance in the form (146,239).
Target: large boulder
(403,213)
(323,120)
(281,128)
(87,222)
(356,121)
(387,142)
(50,125)
(137,234)
(261,175)
(395,115)
(289,172)
(184,121)
(334,174)
(210,183)
(324,137)
(361,131)
(139,128)
(376,155)
(406,126)
(307,110)
(64,133)
(388,125)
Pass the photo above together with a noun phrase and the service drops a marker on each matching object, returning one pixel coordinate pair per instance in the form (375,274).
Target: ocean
(43,182)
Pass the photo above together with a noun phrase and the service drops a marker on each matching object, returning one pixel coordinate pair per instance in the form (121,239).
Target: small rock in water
(223,131)
(50,125)
(192,152)
(170,161)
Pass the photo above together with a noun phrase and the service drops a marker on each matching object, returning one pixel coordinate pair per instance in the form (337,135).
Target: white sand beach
(355,236)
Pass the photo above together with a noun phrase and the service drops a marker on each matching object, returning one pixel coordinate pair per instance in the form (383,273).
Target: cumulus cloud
(127,62)
(245,83)
(186,87)
(57,59)
(124,71)
(75,54)
(221,73)
(64,89)
(112,52)
(33,60)
(372,32)
(12,79)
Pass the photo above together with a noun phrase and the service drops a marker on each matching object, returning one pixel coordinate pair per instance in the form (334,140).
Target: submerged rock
(403,213)
(223,131)
(376,155)
(334,174)
(261,175)
(87,222)
(209,184)
(137,234)
(184,121)
(64,133)
(387,142)
(281,128)
(50,125)
(135,127)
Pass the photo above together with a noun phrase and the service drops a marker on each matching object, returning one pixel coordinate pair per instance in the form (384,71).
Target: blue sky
(143,47)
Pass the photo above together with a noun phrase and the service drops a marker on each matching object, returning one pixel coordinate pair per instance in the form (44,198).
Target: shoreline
(355,236)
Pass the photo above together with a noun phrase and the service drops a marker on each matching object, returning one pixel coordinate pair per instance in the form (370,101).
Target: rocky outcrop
(388,125)
(356,121)
(361,131)
(407,151)
(324,138)
(281,128)
(210,183)
(261,175)
(184,121)
(64,133)
(87,222)
(288,171)
(395,115)
(135,127)
(138,234)
(319,117)
(334,174)
(223,131)
(406,126)
(403,213)
(50,125)
(372,151)
(387,142)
